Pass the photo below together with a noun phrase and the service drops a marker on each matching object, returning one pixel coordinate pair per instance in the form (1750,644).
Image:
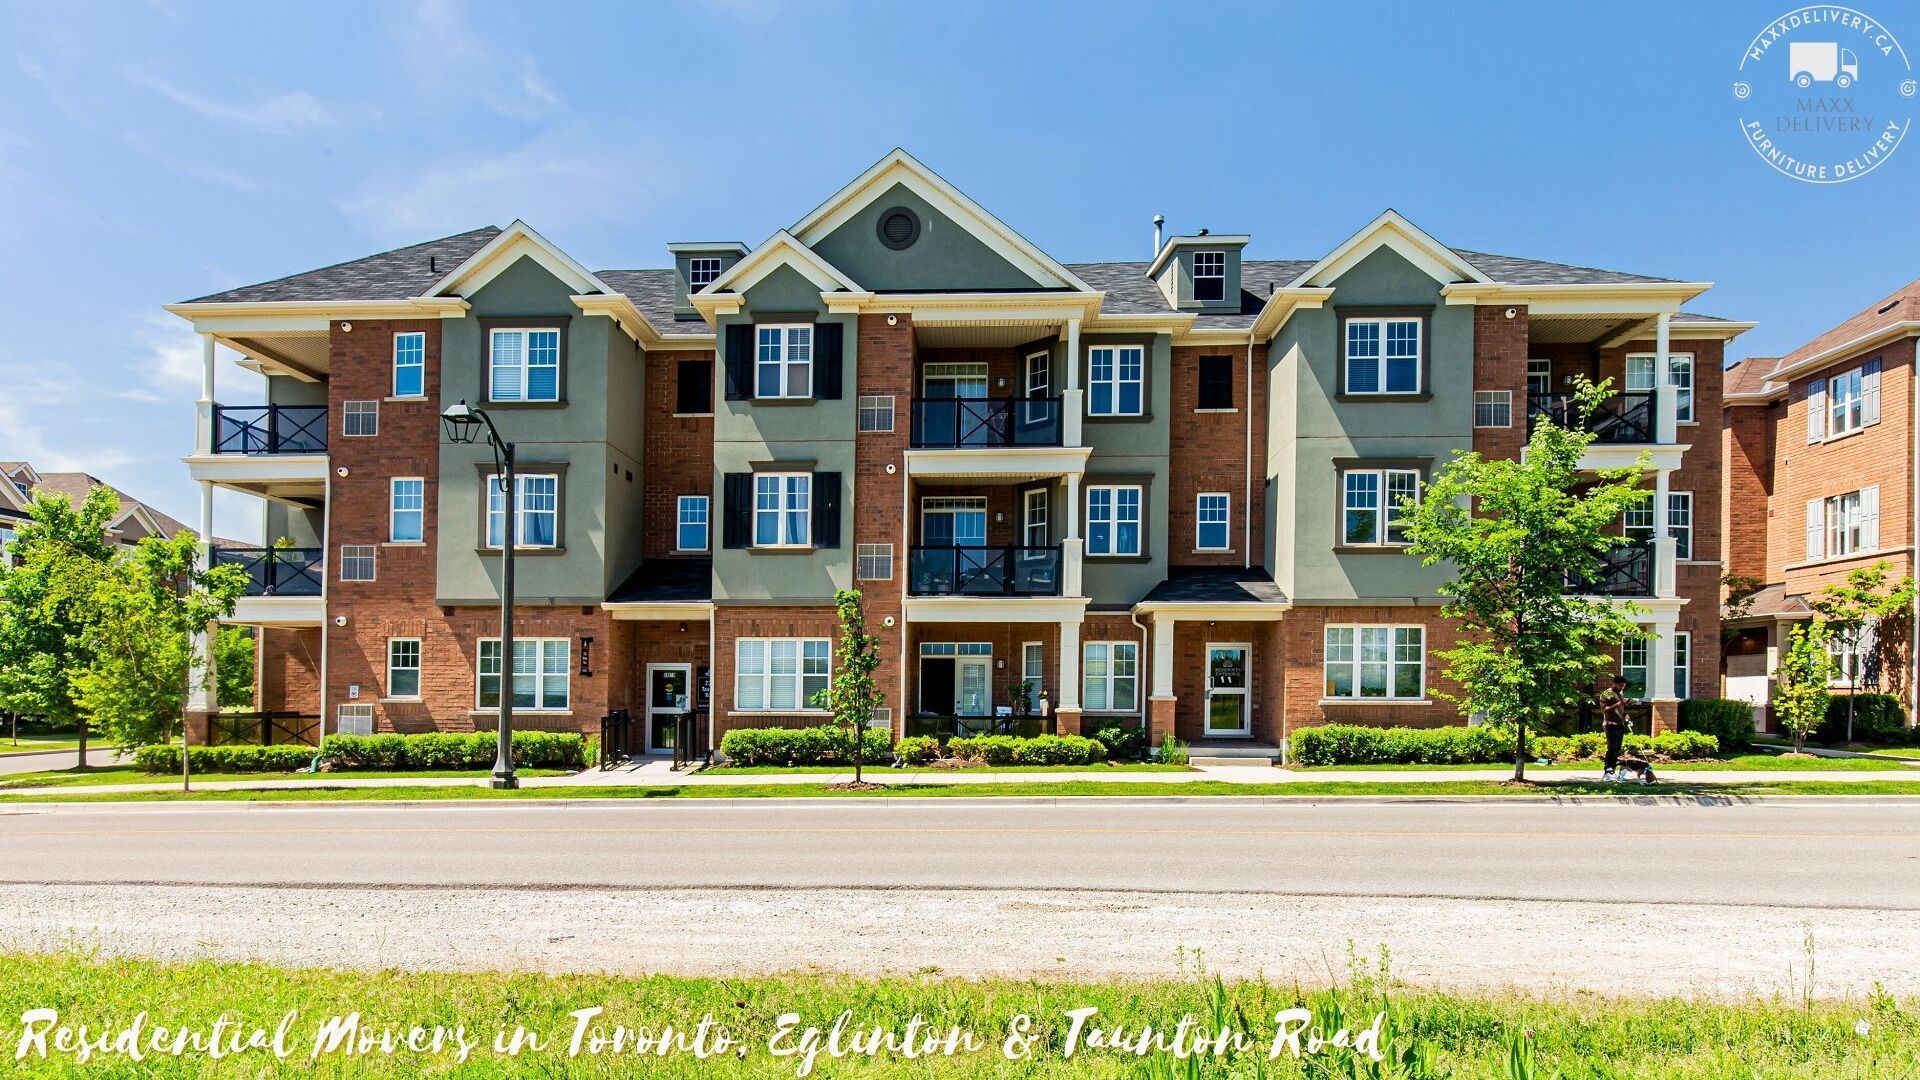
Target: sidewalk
(660,773)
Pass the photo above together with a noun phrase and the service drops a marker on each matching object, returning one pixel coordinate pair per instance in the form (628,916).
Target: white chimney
(1158,220)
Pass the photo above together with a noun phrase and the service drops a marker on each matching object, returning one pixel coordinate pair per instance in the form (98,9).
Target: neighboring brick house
(1156,490)
(1821,450)
(20,483)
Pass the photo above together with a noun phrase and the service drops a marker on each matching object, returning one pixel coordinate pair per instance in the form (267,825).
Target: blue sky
(153,153)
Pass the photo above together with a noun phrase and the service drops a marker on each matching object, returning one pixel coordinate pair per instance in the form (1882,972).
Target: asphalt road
(51,759)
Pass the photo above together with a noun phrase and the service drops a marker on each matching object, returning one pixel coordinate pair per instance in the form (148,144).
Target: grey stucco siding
(1127,451)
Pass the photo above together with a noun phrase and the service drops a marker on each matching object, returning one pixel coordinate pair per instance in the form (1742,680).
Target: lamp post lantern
(463,425)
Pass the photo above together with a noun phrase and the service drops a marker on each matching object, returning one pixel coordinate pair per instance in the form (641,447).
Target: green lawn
(1428,1033)
(1910,752)
(1736,763)
(878,770)
(34,744)
(127,774)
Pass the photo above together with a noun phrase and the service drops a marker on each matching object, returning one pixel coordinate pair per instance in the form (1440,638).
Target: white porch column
(1660,660)
(1069,695)
(1071,405)
(1162,658)
(1665,548)
(1073,550)
(1073,354)
(203,416)
(1666,395)
(202,696)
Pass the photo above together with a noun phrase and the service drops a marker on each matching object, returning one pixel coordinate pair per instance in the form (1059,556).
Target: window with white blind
(1643,375)
(540,671)
(523,364)
(1841,525)
(1383,356)
(1387,662)
(1110,676)
(1372,505)
(779,674)
(1844,403)
(353,720)
(536,510)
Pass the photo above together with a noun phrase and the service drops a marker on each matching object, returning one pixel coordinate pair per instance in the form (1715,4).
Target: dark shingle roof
(1510,270)
(391,275)
(1216,585)
(667,581)
(652,292)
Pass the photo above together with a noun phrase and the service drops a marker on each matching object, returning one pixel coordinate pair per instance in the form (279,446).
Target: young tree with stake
(853,695)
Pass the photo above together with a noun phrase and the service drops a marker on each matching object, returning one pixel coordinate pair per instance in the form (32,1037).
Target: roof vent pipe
(1158,220)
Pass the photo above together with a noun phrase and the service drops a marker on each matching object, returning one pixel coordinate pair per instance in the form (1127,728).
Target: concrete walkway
(660,773)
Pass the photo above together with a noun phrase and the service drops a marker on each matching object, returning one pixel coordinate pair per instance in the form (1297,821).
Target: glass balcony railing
(984,571)
(1631,417)
(959,423)
(269,429)
(278,571)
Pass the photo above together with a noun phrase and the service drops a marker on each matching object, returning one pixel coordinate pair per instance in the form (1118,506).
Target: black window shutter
(739,360)
(826,509)
(736,522)
(828,341)
(1216,382)
(695,390)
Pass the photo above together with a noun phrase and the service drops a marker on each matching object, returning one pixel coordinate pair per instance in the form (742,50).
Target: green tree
(1515,534)
(1864,608)
(145,610)
(1800,686)
(853,695)
(1740,593)
(46,605)
(233,664)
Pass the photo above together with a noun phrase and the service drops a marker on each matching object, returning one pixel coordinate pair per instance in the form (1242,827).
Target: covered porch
(660,696)
(1218,667)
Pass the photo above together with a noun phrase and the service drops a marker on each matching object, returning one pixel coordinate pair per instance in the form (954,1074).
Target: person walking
(1613,721)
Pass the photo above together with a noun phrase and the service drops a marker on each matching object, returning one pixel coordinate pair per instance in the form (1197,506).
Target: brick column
(1500,363)
(199,726)
(883,364)
(1665,716)
(1160,719)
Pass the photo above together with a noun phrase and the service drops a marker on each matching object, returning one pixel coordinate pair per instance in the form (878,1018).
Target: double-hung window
(701,273)
(1210,517)
(1372,505)
(1637,523)
(403,667)
(1388,662)
(1633,667)
(782,509)
(1643,375)
(536,509)
(691,527)
(1383,356)
(1851,523)
(1846,402)
(407,515)
(1116,380)
(540,670)
(1110,676)
(779,674)
(783,361)
(523,365)
(410,364)
(1209,276)
(1113,520)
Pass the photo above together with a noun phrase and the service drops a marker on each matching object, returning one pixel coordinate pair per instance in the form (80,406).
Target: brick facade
(1500,352)
(1746,447)
(679,458)
(886,357)
(1209,453)
(286,670)
(1304,701)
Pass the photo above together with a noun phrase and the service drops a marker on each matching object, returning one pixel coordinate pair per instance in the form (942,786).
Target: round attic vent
(899,228)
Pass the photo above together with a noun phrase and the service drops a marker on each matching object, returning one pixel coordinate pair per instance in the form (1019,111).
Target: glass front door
(1227,710)
(973,696)
(668,698)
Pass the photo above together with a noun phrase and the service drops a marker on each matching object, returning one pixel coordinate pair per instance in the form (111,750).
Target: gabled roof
(900,167)
(391,275)
(1394,231)
(1891,315)
(1510,270)
(780,249)
(1747,379)
(516,241)
(652,293)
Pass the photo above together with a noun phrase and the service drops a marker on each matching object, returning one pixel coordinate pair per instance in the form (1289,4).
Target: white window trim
(1045,372)
(1682,663)
(874,403)
(785,360)
(1221,277)
(1114,522)
(706,523)
(1674,497)
(372,408)
(540,674)
(1226,524)
(781,511)
(1665,378)
(1037,678)
(1548,365)
(1392,663)
(863,552)
(1382,321)
(355,712)
(1496,399)
(1116,382)
(695,264)
(373,558)
(767,676)
(393,509)
(422,365)
(519,512)
(1042,500)
(1108,678)
(526,361)
(1385,512)
(418,657)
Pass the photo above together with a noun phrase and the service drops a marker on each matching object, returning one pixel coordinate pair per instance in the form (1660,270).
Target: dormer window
(702,273)
(1209,275)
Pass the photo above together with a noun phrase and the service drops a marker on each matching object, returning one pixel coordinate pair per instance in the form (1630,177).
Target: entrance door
(669,696)
(1227,709)
(961,423)
(973,690)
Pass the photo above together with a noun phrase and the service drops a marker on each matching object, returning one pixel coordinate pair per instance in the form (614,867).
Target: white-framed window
(1116,380)
(540,672)
(1110,676)
(1209,275)
(523,364)
(403,667)
(1211,509)
(702,272)
(873,562)
(779,674)
(1846,402)
(7,537)
(536,509)
(410,364)
(407,510)
(1493,408)
(1113,519)
(1383,356)
(1850,656)
(1852,522)
(1633,667)
(1387,662)
(782,509)
(783,361)
(353,720)
(1039,374)
(356,562)
(1033,666)
(1371,505)
(876,413)
(1539,377)
(1680,522)
(360,418)
(690,524)
(1034,529)
(1642,376)
(1682,661)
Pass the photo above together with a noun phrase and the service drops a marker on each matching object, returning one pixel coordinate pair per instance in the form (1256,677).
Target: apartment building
(1161,491)
(1821,449)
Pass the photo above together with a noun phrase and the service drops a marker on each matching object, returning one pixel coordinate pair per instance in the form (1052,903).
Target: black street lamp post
(463,425)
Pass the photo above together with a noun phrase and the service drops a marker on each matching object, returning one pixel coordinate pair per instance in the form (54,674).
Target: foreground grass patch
(880,772)
(1736,763)
(94,776)
(1428,1034)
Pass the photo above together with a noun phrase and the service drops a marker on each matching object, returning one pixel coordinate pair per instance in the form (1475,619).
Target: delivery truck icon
(1810,62)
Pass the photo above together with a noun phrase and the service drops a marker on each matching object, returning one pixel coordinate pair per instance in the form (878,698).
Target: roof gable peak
(503,251)
(1392,230)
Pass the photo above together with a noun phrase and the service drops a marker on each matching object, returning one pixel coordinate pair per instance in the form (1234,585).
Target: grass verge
(1735,763)
(882,771)
(1427,1034)
(127,774)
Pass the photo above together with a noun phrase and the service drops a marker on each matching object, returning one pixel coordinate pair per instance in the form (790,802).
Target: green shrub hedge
(1876,718)
(1124,741)
(225,759)
(917,749)
(1481,744)
(397,753)
(1723,718)
(823,745)
(1039,750)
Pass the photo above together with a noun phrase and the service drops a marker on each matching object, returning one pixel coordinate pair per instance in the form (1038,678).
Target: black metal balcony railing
(984,571)
(269,429)
(956,423)
(278,571)
(1625,570)
(1623,418)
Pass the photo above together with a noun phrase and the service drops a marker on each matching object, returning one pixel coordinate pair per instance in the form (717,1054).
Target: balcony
(996,423)
(269,429)
(1628,418)
(984,571)
(1626,570)
(278,571)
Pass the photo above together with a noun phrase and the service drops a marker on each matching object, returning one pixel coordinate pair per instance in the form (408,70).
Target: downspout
(1145,677)
(713,616)
(1246,504)
(326,634)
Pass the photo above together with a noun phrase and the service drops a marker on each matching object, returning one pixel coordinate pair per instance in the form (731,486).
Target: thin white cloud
(284,113)
(207,171)
(452,62)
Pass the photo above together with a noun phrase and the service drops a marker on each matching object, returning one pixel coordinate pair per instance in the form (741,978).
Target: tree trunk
(82,762)
(1520,752)
(859,751)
